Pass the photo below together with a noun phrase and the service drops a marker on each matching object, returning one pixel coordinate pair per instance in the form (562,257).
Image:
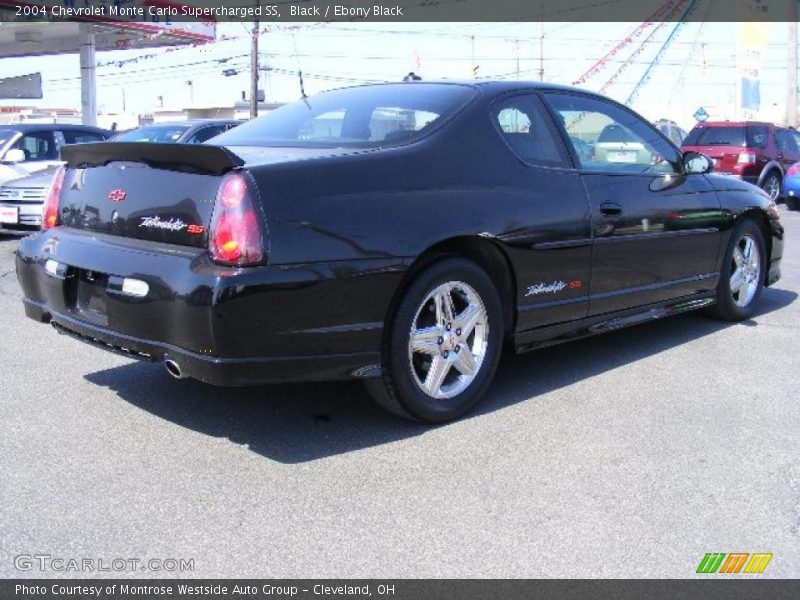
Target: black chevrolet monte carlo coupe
(397,233)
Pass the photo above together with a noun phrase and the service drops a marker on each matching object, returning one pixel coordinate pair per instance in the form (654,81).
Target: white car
(27,148)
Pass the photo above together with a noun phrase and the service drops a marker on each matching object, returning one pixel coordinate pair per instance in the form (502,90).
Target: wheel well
(479,250)
(758,216)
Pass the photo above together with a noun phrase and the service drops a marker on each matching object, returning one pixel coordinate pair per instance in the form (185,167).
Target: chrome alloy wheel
(773,187)
(448,340)
(745,271)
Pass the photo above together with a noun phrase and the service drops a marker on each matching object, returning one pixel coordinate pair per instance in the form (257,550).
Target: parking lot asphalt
(627,455)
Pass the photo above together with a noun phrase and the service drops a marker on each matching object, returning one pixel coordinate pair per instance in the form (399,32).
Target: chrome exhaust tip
(172,368)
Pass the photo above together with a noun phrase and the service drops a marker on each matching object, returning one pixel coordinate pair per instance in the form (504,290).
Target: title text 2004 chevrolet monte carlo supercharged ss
(397,233)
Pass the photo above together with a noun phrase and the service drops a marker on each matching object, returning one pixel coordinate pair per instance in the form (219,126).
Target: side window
(796,135)
(206,133)
(394,123)
(785,141)
(607,137)
(81,137)
(528,132)
(40,145)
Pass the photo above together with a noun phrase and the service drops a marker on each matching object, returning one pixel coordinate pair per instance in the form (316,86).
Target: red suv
(759,153)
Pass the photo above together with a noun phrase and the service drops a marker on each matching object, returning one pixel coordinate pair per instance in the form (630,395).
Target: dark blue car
(791,186)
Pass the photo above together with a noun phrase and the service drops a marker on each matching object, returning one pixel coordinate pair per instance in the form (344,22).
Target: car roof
(733,123)
(190,122)
(485,85)
(27,127)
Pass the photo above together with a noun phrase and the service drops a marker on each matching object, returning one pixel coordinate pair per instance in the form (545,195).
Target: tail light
(50,209)
(794,169)
(747,158)
(235,235)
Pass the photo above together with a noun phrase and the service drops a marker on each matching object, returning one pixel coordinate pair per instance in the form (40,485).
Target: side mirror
(694,162)
(15,155)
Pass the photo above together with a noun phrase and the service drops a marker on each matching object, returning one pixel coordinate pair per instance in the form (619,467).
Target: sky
(698,69)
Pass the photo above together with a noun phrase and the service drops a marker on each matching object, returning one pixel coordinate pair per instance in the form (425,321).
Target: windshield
(153,133)
(6,135)
(368,116)
(752,136)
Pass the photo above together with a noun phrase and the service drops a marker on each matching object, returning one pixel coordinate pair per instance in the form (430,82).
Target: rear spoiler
(213,160)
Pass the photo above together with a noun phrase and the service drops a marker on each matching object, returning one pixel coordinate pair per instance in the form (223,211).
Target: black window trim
(567,159)
(565,135)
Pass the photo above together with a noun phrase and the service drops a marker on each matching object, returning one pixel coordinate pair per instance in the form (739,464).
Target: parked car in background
(756,152)
(400,234)
(671,129)
(791,186)
(21,201)
(25,148)
(616,144)
(195,131)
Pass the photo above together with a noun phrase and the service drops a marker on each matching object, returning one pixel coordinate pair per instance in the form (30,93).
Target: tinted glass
(526,130)
(6,135)
(206,133)
(785,141)
(752,136)
(82,137)
(154,133)
(368,116)
(606,137)
(38,146)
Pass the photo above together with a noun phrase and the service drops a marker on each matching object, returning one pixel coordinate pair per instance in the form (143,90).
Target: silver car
(21,201)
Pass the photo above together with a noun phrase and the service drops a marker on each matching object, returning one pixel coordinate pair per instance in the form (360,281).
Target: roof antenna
(303,94)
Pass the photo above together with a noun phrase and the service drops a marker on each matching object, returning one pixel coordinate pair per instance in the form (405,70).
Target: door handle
(610,209)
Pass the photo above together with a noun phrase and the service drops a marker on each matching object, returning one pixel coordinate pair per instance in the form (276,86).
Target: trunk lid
(156,192)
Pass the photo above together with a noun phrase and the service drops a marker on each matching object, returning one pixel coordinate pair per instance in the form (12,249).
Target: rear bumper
(265,324)
(210,369)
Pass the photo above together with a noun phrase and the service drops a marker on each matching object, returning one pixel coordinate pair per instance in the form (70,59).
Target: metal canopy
(31,38)
(19,38)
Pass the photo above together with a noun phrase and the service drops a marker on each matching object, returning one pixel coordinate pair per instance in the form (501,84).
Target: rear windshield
(752,136)
(164,134)
(368,116)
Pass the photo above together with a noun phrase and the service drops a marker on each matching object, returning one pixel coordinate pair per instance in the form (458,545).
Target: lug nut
(446,354)
(448,327)
(457,349)
(440,341)
(458,331)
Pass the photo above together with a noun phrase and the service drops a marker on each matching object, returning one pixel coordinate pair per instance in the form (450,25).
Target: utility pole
(254,69)
(791,64)
(541,41)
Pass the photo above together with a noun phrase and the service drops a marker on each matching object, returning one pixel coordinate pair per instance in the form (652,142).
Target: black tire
(399,389)
(772,182)
(727,307)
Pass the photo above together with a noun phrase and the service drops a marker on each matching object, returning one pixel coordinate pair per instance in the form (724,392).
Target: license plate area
(622,156)
(88,296)
(9,215)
